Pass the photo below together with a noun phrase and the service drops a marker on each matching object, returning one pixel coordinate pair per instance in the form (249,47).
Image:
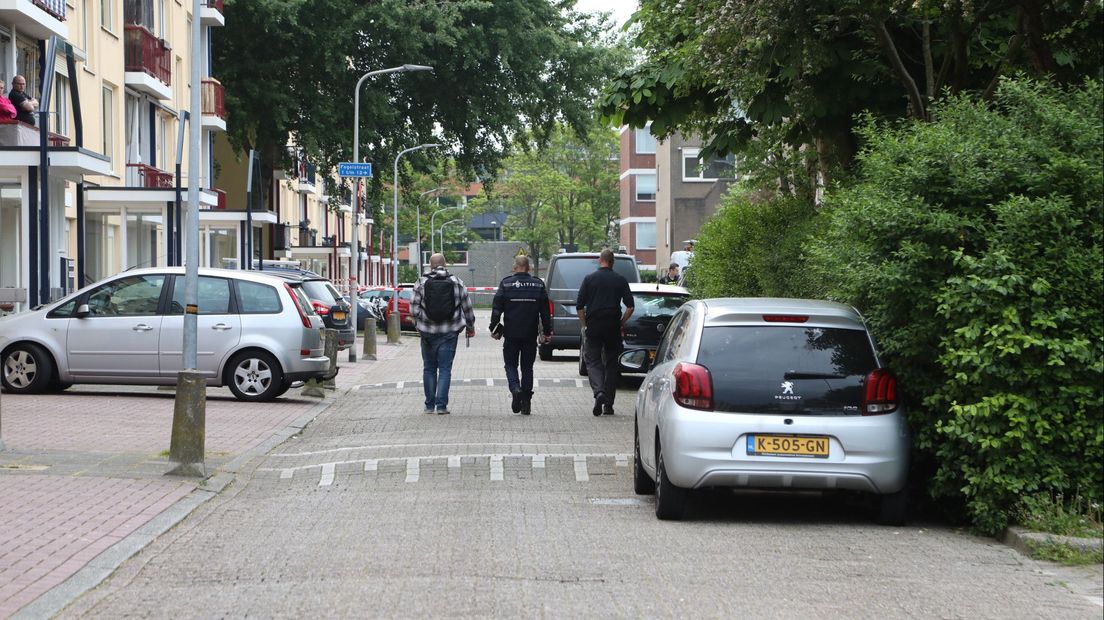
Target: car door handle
(142,327)
(221,327)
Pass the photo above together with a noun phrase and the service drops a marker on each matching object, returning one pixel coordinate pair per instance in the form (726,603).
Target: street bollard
(369,352)
(393,328)
(330,338)
(315,387)
(189,425)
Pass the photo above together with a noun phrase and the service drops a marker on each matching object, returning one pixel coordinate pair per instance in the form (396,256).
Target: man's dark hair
(673,266)
(606,257)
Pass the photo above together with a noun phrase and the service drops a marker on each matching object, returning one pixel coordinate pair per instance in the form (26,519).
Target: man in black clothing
(598,305)
(519,302)
(672,275)
(24,104)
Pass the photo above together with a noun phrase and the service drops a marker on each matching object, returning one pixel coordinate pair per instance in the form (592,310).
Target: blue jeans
(438,350)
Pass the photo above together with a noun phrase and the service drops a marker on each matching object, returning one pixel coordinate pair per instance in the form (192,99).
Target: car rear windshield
(656,304)
(787,369)
(569,272)
(320,290)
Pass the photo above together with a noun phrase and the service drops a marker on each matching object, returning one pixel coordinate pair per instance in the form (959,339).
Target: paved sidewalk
(82,478)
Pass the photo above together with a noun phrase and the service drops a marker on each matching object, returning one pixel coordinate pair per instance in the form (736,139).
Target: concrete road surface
(378,510)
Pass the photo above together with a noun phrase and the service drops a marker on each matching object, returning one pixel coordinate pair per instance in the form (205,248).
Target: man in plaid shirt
(439,336)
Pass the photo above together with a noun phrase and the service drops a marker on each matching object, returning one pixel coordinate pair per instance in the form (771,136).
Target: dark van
(565,273)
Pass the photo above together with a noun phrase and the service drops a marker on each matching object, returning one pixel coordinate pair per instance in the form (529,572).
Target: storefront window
(145,240)
(103,251)
(224,245)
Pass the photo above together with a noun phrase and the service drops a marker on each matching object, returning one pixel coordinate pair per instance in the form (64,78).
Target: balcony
(148,62)
(214,105)
(142,175)
(211,13)
(306,177)
(15,133)
(39,19)
(221,198)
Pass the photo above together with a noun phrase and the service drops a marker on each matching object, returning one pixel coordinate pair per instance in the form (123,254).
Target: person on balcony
(7,110)
(25,105)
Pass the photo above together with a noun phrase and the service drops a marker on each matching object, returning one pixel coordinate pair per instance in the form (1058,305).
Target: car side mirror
(82,311)
(636,360)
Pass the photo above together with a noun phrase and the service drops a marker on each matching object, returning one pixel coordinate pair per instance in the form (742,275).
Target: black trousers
(601,350)
(519,353)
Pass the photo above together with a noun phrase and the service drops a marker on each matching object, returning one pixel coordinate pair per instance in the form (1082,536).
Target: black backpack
(439,299)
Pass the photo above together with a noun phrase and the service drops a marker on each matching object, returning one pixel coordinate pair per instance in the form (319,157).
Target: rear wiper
(793,374)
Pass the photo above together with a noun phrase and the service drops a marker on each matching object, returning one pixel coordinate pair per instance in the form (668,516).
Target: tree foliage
(728,70)
(973,245)
(290,67)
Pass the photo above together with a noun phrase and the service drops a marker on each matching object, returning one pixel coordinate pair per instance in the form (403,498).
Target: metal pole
(355,245)
(393,320)
(419,235)
(433,229)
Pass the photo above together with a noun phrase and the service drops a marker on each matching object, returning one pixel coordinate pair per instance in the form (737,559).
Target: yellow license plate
(788,445)
(339,316)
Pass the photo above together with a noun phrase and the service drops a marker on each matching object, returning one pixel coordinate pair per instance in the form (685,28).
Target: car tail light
(320,307)
(693,386)
(785,318)
(304,352)
(299,308)
(551,308)
(881,393)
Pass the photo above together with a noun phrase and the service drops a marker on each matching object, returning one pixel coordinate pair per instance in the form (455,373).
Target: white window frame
(107,15)
(645,132)
(107,100)
(636,187)
(700,177)
(636,236)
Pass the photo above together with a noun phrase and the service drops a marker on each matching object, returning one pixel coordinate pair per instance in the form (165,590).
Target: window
(787,370)
(109,123)
(107,16)
(693,169)
(257,298)
(645,235)
(165,159)
(646,187)
(86,23)
(213,295)
(645,141)
(130,296)
(61,105)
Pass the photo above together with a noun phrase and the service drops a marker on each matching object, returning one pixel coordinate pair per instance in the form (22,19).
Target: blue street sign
(352,169)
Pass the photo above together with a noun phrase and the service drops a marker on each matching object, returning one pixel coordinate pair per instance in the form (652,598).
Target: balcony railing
(214,4)
(16,133)
(151,177)
(56,8)
(214,98)
(148,54)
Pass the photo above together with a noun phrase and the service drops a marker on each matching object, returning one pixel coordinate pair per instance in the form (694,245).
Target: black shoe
(607,409)
(526,407)
(599,400)
(515,402)
(443,412)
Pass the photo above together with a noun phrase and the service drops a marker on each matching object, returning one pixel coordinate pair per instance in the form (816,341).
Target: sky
(621,9)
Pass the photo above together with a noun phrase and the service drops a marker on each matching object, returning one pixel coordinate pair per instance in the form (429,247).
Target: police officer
(521,300)
(598,305)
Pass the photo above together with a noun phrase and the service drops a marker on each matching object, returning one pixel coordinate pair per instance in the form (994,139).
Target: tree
(729,70)
(290,67)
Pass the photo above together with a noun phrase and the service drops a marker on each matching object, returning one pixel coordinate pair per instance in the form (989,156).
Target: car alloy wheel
(642,484)
(256,377)
(27,369)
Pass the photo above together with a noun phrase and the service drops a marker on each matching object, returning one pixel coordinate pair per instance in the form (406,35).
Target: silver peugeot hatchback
(764,393)
(256,335)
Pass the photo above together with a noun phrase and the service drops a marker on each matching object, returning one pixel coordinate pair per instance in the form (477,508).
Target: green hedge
(973,245)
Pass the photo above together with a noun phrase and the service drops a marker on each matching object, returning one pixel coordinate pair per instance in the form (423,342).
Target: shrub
(973,245)
(754,250)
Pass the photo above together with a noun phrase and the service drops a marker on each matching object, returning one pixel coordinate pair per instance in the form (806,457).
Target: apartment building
(91,190)
(689,189)
(638,194)
(667,193)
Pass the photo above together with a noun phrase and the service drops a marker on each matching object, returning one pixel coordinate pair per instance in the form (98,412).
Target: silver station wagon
(256,335)
(768,394)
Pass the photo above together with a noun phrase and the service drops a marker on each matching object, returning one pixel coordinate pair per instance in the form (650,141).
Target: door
(218,327)
(658,384)
(119,337)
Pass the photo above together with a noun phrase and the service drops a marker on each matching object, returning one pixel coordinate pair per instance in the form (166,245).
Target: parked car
(565,273)
(326,301)
(256,335)
(379,297)
(770,394)
(654,305)
(406,296)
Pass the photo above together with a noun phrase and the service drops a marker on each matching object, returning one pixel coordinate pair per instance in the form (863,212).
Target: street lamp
(393,320)
(432,230)
(418,206)
(356,197)
(441,230)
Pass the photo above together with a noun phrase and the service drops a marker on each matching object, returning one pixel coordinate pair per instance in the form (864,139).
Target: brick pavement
(84,469)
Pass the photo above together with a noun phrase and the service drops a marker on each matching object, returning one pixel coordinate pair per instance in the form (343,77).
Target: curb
(1023,540)
(102,566)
